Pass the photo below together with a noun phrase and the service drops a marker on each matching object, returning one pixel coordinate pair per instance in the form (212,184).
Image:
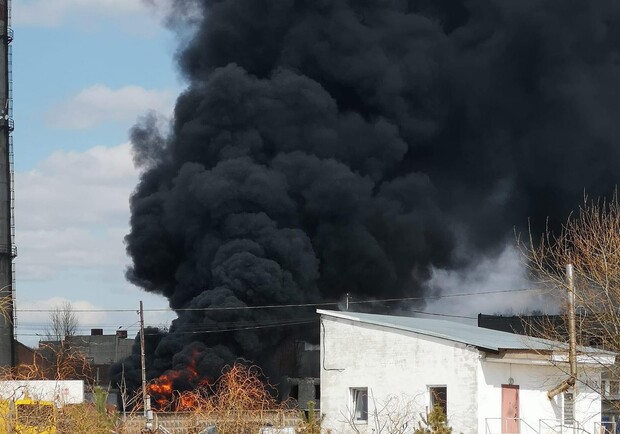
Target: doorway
(510,409)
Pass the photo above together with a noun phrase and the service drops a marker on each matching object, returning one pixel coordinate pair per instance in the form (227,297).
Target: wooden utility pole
(146,399)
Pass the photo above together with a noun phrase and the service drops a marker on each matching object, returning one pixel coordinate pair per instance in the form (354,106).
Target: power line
(281,306)
(233,329)
(232,326)
(283,324)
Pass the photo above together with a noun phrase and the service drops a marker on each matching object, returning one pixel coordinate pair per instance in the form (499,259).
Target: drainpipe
(572,333)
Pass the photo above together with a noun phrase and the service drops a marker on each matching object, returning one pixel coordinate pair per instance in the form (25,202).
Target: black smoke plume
(333,146)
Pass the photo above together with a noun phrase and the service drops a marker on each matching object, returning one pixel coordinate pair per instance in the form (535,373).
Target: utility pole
(572,328)
(572,338)
(347,302)
(146,399)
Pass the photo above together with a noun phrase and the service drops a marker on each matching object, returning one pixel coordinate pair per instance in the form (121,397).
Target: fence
(498,425)
(196,423)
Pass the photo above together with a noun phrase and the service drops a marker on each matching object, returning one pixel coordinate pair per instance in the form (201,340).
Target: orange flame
(166,397)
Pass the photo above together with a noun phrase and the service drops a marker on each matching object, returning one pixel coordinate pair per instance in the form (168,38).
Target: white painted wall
(402,364)
(533,382)
(61,392)
(394,364)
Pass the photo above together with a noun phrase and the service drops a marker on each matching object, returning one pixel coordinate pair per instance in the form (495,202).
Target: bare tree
(58,357)
(590,241)
(392,415)
(63,322)
(5,306)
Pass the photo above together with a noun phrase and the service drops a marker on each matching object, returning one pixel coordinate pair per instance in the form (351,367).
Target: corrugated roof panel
(458,332)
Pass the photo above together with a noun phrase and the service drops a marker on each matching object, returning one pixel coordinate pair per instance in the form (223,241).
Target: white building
(375,366)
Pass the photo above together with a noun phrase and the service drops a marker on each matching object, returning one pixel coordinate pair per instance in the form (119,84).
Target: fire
(166,397)
(162,389)
(188,401)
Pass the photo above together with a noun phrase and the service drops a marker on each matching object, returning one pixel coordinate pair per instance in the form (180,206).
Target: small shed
(383,373)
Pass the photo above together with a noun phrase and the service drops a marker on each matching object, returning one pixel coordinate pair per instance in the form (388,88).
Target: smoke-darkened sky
(333,146)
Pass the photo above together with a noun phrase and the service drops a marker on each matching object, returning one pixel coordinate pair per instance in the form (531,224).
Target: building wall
(535,408)
(60,391)
(396,365)
(393,363)
(102,349)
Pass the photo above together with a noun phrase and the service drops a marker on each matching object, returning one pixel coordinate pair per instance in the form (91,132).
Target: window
(359,400)
(294,392)
(439,397)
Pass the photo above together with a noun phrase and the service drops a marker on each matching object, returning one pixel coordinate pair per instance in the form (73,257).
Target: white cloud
(37,311)
(72,210)
(99,104)
(76,189)
(48,13)
(34,318)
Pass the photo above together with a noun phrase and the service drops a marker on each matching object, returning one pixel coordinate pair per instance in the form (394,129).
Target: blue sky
(83,72)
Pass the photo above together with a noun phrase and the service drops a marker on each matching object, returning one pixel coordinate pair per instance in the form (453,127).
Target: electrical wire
(226,330)
(281,306)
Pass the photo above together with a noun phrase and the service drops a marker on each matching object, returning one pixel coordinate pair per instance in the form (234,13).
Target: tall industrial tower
(7,248)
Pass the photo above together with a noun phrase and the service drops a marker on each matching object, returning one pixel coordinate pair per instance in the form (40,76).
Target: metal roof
(482,338)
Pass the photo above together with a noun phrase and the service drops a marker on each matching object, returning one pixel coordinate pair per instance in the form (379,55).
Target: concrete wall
(300,391)
(393,365)
(102,349)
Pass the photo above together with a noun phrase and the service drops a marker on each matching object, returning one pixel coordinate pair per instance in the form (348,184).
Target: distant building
(98,350)
(298,364)
(486,381)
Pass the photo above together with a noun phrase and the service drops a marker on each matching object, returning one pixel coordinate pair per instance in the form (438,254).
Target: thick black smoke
(333,146)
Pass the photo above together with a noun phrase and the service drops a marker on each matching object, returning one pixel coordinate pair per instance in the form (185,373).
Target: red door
(510,409)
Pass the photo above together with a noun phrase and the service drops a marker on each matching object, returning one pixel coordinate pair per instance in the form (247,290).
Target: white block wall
(534,381)
(402,365)
(393,364)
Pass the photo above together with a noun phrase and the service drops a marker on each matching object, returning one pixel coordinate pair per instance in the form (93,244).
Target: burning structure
(340,146)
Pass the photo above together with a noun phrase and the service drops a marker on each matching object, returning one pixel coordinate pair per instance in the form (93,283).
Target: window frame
(355,393)
(434,398)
